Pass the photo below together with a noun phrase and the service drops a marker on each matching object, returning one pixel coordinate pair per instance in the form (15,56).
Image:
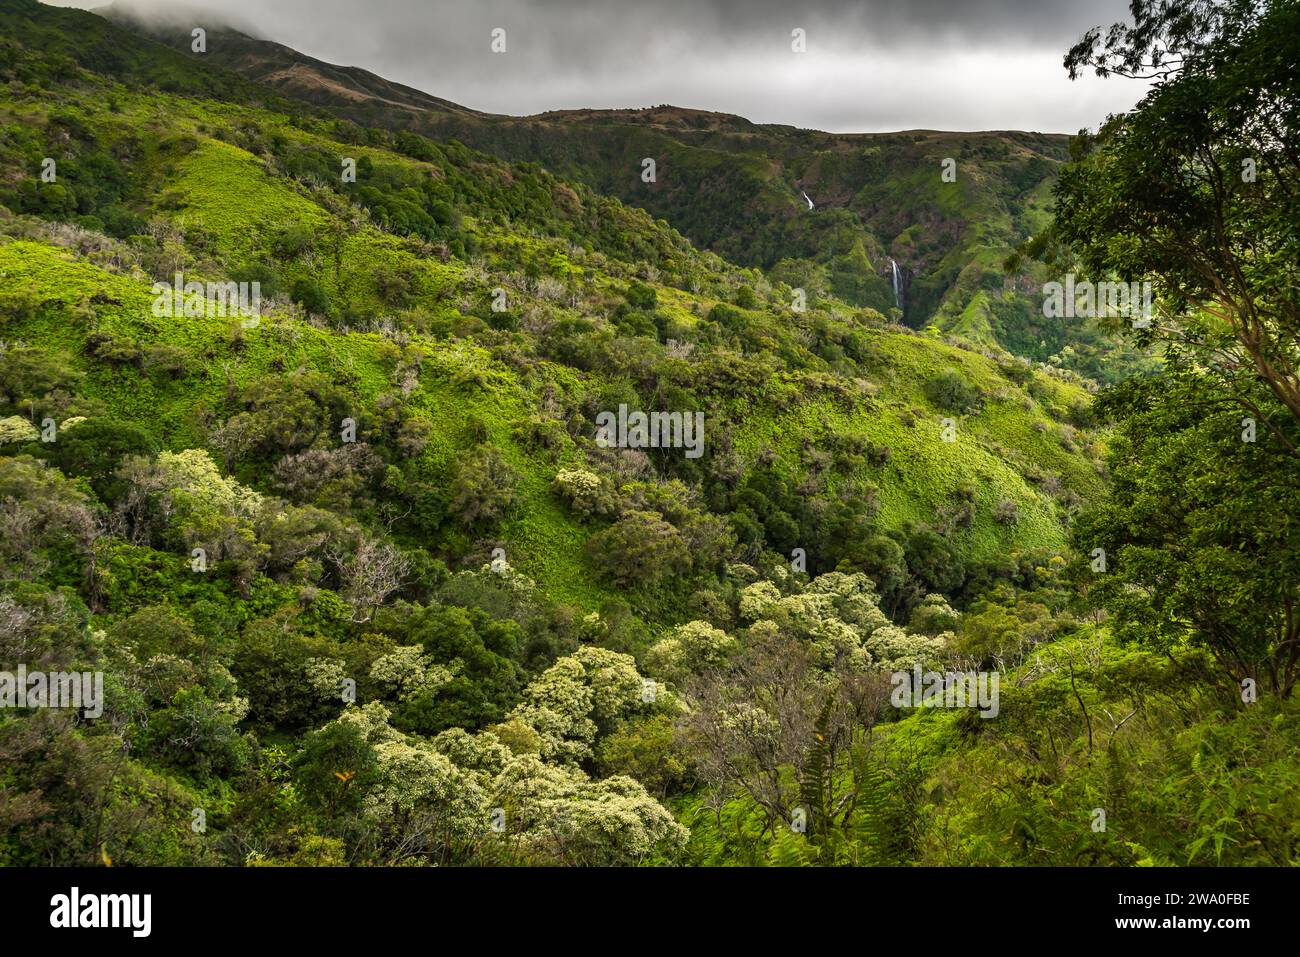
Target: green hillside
(232,211)
(368,581)
(948,208)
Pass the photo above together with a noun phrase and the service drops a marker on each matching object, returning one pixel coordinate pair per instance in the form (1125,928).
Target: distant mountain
(274,64)
(736,187)
(174,162)
(399,466)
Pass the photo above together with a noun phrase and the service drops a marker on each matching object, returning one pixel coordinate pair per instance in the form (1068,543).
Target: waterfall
(898,285)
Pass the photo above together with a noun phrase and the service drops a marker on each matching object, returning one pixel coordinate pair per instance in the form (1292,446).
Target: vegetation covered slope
(366,585)
(947,208)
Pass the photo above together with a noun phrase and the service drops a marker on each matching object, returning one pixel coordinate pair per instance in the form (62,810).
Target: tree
(641,296)
(933,616)
(397,798)
(484,487)
(648,751)
(640,548)
(370,574)
(587,493)
(775,710)
(289,413)
(312,296)
(27,374)
(45,519)
(489,678)
(1197,189)
(579,698)
(934,561)
(693,647)
(949,390)
(556,814)
(1198,540)
(292,241)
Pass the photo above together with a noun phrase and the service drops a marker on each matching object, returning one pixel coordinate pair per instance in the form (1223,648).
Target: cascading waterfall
(898,284)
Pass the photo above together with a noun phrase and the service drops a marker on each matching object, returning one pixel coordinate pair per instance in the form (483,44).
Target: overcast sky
(870,66)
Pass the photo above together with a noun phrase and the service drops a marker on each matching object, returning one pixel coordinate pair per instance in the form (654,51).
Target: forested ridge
(740,189)
(369,581)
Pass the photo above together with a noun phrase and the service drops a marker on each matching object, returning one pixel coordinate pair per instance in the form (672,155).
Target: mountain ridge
(729,184)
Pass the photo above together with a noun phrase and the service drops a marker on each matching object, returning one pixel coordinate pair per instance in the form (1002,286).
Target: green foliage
(358,573)
(1196,532)
(951,392)
(1193,190)
(312,296)
(640,548)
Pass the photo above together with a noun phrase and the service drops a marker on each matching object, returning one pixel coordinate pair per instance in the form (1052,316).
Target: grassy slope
(735,186)
(240,204)
(730,185)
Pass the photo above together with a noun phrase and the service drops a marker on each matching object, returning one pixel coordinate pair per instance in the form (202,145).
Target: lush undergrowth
(1085,727)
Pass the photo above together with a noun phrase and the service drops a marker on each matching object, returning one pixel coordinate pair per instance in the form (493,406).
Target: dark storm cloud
(873,65)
